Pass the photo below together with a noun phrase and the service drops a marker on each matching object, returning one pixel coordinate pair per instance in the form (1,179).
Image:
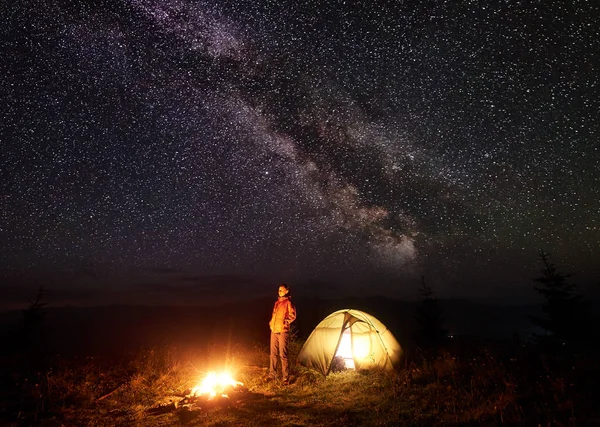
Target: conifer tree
(33,315)
(32,332)
(431,333)
(564,311)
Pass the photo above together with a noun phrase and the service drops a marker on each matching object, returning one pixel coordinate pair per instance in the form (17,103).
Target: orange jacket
(284,313)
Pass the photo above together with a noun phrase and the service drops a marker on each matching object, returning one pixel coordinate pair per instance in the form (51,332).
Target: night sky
(184,151)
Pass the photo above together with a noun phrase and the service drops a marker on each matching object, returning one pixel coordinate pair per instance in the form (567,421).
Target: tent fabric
(373,345)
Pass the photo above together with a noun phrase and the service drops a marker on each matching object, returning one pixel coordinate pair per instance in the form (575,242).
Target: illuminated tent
(354,337)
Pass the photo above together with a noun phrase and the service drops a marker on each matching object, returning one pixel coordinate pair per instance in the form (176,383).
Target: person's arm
(271,321)
(291,314)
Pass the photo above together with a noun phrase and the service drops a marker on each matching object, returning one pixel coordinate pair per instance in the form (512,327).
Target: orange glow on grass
(215,383)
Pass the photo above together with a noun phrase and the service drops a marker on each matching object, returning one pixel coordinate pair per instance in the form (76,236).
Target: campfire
(215,391)
(215,384)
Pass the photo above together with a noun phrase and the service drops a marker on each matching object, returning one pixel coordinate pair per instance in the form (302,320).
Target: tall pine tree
(564,311)
(430,334)
(30,335)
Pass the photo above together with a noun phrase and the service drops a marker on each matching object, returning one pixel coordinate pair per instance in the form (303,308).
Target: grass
(479,386)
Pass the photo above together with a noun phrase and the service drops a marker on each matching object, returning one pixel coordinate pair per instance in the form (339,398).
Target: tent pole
(337,346)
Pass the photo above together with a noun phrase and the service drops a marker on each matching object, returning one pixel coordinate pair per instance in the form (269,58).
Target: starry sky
(187,150)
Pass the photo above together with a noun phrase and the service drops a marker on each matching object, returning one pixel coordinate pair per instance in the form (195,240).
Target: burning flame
(215,384)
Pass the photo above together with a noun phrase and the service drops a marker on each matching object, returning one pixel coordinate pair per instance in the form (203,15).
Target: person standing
(284,313)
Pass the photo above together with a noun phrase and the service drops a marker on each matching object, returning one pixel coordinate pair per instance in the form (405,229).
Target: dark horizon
(222,290)
(244,321)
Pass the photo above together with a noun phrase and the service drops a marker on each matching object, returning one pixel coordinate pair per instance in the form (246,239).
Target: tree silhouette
(34,314)
(564,310)
(430,333)
(31,334)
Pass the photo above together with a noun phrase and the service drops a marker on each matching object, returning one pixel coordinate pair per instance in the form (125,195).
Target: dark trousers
(279,347)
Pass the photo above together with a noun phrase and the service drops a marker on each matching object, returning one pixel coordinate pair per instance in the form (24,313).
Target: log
(109,393)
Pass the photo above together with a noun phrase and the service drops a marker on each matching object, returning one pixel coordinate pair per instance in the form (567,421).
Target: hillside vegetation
(468,381)
(479,386)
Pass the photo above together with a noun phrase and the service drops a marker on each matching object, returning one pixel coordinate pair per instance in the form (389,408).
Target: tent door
(345,349)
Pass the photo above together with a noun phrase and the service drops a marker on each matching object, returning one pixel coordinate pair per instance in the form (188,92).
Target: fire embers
(217,391)
(216,385)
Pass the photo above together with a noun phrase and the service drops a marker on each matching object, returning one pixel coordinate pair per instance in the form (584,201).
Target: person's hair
(283,285)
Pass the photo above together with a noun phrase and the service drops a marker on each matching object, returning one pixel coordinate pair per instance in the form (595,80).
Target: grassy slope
(478,388)
(343,399)
(479,385)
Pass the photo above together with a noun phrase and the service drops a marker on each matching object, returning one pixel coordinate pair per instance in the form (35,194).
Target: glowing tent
(355,337)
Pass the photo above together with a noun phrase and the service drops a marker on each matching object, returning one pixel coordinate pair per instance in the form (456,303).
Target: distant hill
(110,329)
(461,317)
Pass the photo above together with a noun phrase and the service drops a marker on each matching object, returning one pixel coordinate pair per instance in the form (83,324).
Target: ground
(482,386)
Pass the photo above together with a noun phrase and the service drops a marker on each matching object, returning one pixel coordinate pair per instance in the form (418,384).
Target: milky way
(350,142)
